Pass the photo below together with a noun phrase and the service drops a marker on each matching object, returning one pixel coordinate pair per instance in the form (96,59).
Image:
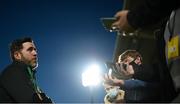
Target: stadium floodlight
(91,76)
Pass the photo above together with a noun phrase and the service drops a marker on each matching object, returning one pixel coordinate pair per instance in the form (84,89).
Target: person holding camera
(17,81)
(147,14)
(143,86)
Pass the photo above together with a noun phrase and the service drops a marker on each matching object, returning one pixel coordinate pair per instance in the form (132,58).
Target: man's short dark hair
(16,45)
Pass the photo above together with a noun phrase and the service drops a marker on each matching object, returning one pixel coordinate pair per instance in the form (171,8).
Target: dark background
(69,37)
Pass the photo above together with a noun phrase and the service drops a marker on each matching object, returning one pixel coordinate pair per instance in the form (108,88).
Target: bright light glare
(91,77)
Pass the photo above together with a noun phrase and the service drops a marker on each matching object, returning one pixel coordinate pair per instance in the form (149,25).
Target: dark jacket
(148,73)
(16,84)
(150,12)
(146,87)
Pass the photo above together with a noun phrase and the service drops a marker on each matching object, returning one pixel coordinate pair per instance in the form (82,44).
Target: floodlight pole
(91,94)
(90,81)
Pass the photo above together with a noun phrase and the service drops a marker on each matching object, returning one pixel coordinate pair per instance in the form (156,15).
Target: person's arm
(18,85)
(126,84)
(134,83)
(147,13)
(150,12)
(108,79)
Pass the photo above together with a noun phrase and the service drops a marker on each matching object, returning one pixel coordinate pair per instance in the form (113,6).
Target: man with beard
(17,81)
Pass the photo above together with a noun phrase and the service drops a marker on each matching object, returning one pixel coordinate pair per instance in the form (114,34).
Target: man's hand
(125,68)
(122,22)
(113,80)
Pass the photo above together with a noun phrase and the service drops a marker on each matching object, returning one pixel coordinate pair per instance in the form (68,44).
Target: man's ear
(17,55)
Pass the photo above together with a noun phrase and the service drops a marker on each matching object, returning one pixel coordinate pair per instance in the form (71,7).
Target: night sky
(69,36)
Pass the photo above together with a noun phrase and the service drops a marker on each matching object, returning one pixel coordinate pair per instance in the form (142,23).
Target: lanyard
(36,88)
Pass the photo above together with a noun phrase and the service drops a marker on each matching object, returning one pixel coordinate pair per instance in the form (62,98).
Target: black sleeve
(17,83)
(150,12)
(142,72)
